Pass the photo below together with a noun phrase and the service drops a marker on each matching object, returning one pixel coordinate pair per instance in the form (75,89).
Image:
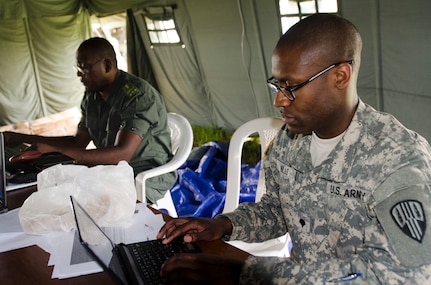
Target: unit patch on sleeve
(405,220)
(409,216)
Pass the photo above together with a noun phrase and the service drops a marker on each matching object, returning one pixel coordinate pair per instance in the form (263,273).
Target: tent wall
(395,74)
(218,78)
(232,42)
(38,41)
(36,74)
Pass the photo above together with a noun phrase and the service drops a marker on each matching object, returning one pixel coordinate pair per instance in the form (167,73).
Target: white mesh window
(291,11)
(161,25)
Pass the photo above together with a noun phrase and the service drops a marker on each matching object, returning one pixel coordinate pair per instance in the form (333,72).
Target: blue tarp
(200,190)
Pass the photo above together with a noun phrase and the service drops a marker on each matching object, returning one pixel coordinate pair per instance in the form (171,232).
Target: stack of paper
(68,256)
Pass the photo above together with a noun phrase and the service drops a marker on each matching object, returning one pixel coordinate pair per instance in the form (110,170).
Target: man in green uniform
(122,114)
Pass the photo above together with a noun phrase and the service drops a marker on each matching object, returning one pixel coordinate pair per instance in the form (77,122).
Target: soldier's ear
(108,65)
(343,74)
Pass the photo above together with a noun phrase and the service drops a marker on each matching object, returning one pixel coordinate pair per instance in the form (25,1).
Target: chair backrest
(181,143)
(267,128)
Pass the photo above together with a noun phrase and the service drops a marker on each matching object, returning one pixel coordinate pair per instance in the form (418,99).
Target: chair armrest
(185,144)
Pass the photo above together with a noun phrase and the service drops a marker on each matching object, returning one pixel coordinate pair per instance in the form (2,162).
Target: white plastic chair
(267,128)
(181,143)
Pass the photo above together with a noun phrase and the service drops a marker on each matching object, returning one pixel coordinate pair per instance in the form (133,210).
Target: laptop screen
(3,206)
(92,235)
(98,244)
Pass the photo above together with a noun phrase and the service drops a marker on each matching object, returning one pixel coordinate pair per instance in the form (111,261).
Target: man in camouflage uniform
(122,114)
(350,184)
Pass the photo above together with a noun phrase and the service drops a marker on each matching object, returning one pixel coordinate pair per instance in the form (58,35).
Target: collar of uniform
(116,88)
(338,165)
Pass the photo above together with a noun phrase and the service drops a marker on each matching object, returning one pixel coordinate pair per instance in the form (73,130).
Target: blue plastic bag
(200,190)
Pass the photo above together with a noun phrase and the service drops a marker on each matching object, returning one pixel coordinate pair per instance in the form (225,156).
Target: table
(29,265)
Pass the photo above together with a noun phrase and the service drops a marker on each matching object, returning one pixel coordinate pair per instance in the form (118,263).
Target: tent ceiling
(218,78)
(16,9)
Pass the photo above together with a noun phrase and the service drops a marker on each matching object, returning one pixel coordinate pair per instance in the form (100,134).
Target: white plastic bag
(107,192)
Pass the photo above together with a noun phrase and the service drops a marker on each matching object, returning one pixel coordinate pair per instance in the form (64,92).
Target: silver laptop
(3,204)
(135,263)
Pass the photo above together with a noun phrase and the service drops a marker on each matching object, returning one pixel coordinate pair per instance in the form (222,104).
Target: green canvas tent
(216,75)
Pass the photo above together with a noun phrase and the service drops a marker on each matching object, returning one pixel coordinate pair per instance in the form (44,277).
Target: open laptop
(26,170)
(136,263)
(3,204)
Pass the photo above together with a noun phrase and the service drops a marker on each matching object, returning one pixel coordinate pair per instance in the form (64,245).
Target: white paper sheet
(9,222)
(12,235)
(67,254)
(71,258)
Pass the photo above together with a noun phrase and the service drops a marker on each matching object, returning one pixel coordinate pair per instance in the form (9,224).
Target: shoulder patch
(405,218)
(409,216)
(130,89)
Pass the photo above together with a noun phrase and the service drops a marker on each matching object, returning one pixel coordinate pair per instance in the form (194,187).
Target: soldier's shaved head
(325,38)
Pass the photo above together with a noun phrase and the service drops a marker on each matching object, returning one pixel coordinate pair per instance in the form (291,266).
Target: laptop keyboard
(150,256)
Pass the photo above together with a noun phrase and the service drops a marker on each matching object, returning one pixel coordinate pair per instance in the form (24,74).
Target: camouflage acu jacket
(365,209)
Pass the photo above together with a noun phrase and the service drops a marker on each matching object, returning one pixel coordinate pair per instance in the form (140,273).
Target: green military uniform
(133,105)
(366,208)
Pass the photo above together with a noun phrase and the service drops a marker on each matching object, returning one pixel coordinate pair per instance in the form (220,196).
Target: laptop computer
(135,263)
(26,171)
(3,204)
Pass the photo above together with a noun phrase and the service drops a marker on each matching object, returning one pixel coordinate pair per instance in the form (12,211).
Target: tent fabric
(17,9)
(38,41)
(395,64)
(137,61)
(216,76)
(36,74)
(178,72)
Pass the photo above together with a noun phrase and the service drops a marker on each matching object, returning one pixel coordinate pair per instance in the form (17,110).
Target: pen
(348,277)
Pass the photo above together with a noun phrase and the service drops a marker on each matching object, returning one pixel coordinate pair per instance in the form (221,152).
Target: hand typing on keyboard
(194,229)
(199,267)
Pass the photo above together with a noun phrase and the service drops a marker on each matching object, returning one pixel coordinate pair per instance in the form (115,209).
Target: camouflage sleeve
(403,207)
(397,250)
(257,222)
(276,270)
(375,266)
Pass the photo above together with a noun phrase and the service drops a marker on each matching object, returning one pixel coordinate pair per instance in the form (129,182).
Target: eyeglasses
(86,68)
(288,91)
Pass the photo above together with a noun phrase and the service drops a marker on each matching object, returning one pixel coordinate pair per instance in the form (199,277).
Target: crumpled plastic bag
(107,192)
(200,190)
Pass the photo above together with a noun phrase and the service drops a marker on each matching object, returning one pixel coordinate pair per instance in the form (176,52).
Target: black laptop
(26,171)
(135,263)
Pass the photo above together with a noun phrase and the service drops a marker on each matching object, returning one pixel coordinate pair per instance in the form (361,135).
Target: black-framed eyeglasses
(86,68)
(288,91)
